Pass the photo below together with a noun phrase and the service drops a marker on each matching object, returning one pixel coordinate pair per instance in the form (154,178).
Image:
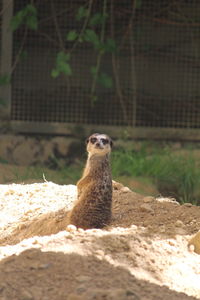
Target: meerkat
(93,206)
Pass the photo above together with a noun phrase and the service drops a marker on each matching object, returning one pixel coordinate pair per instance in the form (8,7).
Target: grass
(174,174)
(31,174)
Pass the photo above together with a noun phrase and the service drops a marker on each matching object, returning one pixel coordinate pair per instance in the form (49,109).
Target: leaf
(5,79)
(55,73)
(31,9)
(91,36)
(66,69)
(62,57)
(105,80)
(93,70)
(72,35)
(27,16)
(17,20)
(138,4)
(31,17)
(97,19)
(62,65)
(32,22)
(82,13)
(110,45)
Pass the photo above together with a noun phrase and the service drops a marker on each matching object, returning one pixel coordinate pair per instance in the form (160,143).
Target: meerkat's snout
(99,144)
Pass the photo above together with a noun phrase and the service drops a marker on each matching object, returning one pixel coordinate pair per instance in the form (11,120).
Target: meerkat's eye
(105,141)
(93,140)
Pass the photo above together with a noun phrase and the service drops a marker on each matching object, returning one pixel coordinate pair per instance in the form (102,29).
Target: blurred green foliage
(26,16)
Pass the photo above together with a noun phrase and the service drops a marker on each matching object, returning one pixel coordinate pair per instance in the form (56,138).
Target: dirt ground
(142,254)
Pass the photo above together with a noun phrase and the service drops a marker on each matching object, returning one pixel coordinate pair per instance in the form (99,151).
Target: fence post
(6,53)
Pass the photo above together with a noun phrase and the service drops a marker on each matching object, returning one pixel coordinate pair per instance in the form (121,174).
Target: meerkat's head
(99,144)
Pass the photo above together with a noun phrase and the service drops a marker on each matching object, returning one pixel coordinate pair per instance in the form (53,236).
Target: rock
(71,228)
(81,288)
(125,189)
(83,278)
(162,229)
(12,140)
(47,151)
(171,243)
(195,242)
(117,186)
(8,144)
(4,154)
(26,153)
(99,253)
(180,231)
(179,223)
(146,208)
(191,248)
(62,145)
(187,204)
(148,199)
(26,295)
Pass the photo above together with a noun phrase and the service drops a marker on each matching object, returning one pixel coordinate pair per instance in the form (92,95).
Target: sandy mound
(142,254)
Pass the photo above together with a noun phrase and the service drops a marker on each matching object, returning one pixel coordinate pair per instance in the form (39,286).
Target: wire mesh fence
(149,77)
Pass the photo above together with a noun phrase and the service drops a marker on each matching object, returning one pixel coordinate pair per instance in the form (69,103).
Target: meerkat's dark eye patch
(105,141)
(93,140)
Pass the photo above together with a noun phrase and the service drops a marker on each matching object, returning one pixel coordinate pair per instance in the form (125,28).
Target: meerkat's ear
(87,141)
(111,143)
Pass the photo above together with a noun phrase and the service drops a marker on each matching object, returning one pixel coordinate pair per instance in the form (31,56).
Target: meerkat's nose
(97,144)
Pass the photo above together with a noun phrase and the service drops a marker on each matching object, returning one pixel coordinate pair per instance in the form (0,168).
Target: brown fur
(93,207)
